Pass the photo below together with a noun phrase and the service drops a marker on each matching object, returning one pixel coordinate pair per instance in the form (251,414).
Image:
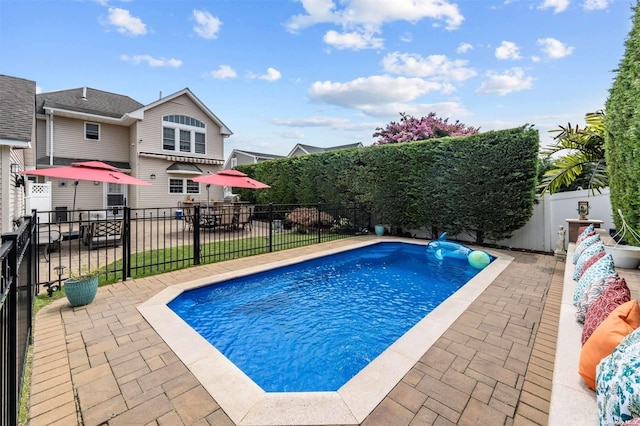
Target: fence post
(126,246)
(319,224)
(270,227)
(12,350)
(196,235)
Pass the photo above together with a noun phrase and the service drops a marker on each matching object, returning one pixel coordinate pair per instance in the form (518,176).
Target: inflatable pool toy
(479,259)
(442,248)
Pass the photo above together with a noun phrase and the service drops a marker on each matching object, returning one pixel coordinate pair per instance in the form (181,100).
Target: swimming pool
(312,326)
(246,403)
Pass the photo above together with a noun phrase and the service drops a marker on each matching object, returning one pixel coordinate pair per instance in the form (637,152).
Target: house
(166,143)
(301,149)
(239,157)
(17,129)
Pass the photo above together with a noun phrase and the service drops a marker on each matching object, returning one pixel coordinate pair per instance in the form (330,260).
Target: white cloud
(373,14)
(224,72)
(595,4)
(38,90)
(355,40)
(390,111)
(512,80)
(438,66)
(271,75)
(553,48)
(535,59)
(316,121)
(557,5)
(464,48)
(292,134)
(508,50)
(125,23)
(375,90)
(406,37)
(207,26)
(151,61)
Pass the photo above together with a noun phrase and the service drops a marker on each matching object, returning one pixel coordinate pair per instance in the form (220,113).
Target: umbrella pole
(73,208)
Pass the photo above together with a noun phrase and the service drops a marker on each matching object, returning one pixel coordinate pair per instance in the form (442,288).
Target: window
(92,131)
(183,186)
(169,139)
(191,137)
(115,195)
(234,162)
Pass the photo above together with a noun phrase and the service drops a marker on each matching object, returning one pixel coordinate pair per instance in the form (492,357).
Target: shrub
(305,218)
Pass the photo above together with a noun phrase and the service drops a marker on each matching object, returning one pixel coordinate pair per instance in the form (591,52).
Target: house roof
(43,162)
(309,149)
(87,101)
(17,106)
(224,130)
(257,154)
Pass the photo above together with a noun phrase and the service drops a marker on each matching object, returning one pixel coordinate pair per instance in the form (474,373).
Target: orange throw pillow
(620,322)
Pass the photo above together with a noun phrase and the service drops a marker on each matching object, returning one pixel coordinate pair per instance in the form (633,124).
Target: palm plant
(582,156)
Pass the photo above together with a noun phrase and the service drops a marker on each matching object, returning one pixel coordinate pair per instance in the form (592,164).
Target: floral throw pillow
(600,310)
(613,285)
(584,232)
(602,268)
(588,257)
(618,383)
(583,245)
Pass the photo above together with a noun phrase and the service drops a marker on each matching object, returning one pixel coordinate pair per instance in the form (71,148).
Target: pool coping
(247,404)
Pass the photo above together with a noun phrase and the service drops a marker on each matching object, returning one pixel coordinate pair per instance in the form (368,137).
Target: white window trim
(184,186)
(85,131)
(184,127)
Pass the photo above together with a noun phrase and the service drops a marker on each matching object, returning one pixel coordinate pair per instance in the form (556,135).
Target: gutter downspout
(50,137)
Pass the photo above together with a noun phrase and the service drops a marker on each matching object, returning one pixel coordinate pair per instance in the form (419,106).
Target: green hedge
(622,135)
(482,184)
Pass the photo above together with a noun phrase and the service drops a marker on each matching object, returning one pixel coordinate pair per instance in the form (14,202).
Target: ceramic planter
(81,291)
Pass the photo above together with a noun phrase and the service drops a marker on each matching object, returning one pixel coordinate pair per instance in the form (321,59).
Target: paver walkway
(103,363)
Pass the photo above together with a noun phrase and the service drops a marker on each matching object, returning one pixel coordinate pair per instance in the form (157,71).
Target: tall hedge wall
(483,183)
(622,135)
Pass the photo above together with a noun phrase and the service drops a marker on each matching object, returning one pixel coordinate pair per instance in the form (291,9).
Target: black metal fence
(132,243)
(19,269)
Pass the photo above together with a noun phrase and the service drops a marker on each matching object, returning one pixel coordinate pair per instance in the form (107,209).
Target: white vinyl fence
(552,211)
(39,198)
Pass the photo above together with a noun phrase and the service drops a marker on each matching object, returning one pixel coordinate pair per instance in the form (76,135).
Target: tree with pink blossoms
(417,129)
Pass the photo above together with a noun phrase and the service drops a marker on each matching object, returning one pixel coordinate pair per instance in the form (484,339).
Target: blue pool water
(314,325)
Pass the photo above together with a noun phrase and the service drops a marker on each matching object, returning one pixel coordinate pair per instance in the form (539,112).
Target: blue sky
(328,72)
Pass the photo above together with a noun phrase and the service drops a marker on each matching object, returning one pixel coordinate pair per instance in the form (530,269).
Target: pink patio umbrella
(232,178)
(96,171)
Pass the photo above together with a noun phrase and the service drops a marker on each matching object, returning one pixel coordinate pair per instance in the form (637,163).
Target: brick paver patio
(104,364)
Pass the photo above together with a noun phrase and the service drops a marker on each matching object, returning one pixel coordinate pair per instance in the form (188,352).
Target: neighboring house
(166,143)
(239,157)
(301,149)
(17,129)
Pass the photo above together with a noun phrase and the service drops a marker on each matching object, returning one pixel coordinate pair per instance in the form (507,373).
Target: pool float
(442,248)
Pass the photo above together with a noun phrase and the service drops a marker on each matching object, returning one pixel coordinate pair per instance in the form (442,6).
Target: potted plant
(81,289)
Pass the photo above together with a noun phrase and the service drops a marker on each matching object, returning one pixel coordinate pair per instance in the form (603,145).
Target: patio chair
(188,220)
(103,233)
(225,218)
(244,217)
